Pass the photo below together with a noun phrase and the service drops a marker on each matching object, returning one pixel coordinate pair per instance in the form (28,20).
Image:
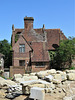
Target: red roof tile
(53,37)
(39,52)
(40,47)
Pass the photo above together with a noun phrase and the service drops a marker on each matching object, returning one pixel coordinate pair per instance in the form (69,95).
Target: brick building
(31,47)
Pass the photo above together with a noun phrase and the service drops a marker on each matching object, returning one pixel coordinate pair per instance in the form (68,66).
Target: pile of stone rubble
(51,81)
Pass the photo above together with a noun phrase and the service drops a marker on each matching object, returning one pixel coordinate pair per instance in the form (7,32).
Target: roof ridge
(19,28)
(53,29)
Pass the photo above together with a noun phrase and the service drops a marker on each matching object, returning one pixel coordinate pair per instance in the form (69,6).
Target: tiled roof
(53,37)
(39,52)
(39,46)
(32,35)
(39,30)
(17,30)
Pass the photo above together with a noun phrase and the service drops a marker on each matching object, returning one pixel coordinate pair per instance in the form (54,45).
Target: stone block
(25,74)
(42,74)
(63,76)
(37,93)
(67,98)
(71,76)
(56,81)
(26,85)
(52,71)
(49,78)
(58,77)
(70,71)
(27,78)
(17,76)
(32,74)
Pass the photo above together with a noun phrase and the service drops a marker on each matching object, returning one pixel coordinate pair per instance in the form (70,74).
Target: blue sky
(53,13)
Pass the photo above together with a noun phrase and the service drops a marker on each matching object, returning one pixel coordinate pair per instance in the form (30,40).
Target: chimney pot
(28,23)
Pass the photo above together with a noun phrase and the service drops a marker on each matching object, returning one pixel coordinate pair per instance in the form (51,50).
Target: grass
(72,68)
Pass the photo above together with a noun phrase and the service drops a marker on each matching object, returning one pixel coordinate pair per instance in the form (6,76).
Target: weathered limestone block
(37,93)
(49,78)
(57,77)
(27,78)
(42,74)
(52,85)
(52,71)
(17,76)
(63,76)
(43,81)
(47,84)
(32,74)
(67,98)
(10,83)
(35,83)
(70,71)
(56,81)
(26,83)
(19,80)
(4,82)
(48,90)
(59,72)
(71,76)
(26,89)
(25,74)
(60,77)
(2,94)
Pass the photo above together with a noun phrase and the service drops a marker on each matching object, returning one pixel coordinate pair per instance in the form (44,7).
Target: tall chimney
(28,23)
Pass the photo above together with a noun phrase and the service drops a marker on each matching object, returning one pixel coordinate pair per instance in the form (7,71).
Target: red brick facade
(37,44)
(20,56)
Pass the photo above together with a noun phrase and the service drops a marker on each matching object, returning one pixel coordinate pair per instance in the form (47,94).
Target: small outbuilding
(1,63)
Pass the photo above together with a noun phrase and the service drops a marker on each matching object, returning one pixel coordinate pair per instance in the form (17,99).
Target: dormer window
(22,48)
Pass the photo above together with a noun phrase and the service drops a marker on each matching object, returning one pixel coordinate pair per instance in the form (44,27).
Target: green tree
(65,53)
(5,49)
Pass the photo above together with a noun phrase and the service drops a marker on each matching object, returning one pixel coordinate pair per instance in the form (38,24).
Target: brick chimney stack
(28,23)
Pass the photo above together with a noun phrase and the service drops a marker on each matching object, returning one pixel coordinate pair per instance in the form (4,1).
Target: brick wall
(28,23)
(20,56)
(17,70)
(40,68)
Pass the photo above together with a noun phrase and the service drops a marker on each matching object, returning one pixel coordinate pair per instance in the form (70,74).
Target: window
(22,62)
(42,64)
(21,48)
